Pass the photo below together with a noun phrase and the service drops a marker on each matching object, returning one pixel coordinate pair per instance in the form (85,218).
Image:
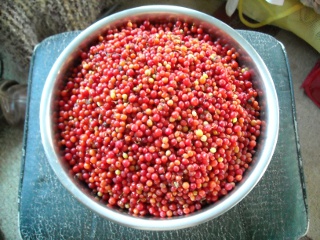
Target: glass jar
(13,101)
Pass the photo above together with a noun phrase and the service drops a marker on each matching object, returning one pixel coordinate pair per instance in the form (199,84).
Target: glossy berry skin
(159,118)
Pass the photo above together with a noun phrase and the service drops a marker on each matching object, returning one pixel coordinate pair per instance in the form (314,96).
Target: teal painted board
(275,209)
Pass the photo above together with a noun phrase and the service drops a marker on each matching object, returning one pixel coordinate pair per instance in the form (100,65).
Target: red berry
(157,117)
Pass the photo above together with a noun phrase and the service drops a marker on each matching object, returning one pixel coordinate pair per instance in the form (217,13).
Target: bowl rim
(151,223)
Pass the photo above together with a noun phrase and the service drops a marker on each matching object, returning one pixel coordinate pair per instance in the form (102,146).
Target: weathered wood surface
(275,209)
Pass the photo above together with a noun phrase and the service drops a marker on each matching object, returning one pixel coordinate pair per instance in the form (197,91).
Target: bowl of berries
(159,117)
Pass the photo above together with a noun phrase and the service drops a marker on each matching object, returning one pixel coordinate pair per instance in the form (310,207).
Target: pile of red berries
(159,118)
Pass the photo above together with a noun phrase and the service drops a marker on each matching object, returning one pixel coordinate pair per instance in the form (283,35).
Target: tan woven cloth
(23,24)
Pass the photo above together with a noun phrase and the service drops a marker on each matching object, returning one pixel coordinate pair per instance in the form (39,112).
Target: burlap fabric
(23,24)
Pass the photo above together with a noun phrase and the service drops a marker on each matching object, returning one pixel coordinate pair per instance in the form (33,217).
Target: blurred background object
(13,99)
(315,4)
(292,16)
(311,85)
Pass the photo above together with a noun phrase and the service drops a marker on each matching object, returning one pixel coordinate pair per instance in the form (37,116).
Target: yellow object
(292,16)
